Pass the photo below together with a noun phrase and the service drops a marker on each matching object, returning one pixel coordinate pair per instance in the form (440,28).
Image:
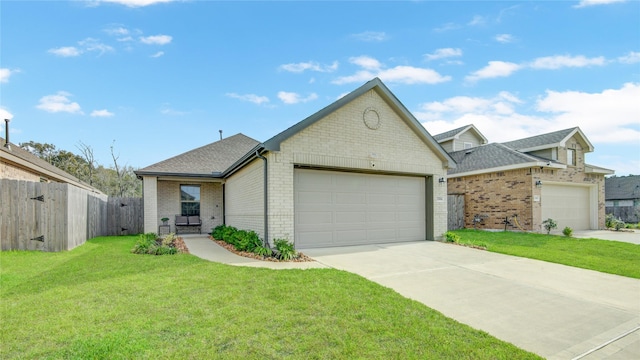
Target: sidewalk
(205,248)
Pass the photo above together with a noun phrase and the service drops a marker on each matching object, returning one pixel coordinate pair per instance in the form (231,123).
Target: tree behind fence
(56,217)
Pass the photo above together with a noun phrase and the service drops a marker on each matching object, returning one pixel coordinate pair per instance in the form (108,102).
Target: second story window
(571,157)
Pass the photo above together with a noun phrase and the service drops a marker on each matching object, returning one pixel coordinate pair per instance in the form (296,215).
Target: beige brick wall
(341,140)
(8,171)
(244,198)
(501,194)
(211,206)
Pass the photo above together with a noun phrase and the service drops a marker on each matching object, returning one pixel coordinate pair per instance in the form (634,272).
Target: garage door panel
(568,205)
(315,217)
(350,198)
(364,208)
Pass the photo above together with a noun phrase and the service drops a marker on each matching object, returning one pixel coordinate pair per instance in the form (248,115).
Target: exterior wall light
(538,184)
(441,180)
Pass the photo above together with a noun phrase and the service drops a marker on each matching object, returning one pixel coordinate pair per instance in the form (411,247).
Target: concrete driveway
(556,311)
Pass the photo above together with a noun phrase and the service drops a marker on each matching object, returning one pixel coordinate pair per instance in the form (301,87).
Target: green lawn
(99,301)
(612,257)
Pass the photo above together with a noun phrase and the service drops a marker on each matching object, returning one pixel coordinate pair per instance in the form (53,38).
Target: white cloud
(59,102)
(493,70)
(5,74)
(631,58)
(310,65)
(586,3)
(256,99)
(447,27)
(102,113)
(66,51)
(136,3)
(158,54)
(399,74)
(156,39)
(560,61)
(443,53)
(477,21)
(5,114)
(610,116)
(505,38)
(91,44)
(294,98)
(366,62)
(117,30)
(371,36)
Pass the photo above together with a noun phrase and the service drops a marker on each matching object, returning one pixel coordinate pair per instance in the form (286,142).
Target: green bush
(567,231)
(217,232)
(451,237)
(549,225)
(263,251)
(285,249)
(150,244)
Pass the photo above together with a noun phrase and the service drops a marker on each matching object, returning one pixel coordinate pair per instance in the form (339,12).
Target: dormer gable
(462,138)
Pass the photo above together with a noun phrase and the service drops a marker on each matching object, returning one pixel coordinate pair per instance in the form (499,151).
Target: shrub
(285,249)
(263,251)
(618,224)
(150,244)
(217,232)
(567,231)
(451,237)
(608,220)
(549,225)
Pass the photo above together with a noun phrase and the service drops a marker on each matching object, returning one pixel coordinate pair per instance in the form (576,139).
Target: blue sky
(161,77)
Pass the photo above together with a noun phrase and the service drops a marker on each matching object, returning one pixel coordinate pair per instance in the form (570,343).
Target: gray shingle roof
(206,160)
(622,187)
(450,133)
(540,140)
(489,156)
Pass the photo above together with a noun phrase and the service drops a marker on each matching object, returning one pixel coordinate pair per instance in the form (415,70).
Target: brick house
(526,181)
(19,164)
(359,171)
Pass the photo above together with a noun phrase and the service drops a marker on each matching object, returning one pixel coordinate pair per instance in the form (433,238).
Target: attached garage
(335,208)
(570,205)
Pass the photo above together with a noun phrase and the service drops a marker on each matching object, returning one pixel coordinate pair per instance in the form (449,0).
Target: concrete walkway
(625,235)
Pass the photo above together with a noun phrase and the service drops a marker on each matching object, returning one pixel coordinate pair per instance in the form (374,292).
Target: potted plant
(164,220)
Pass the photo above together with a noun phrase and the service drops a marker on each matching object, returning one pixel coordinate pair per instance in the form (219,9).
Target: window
(189,200)
(467,145)
(571,157)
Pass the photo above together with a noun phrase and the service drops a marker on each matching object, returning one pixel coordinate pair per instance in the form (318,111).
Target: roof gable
(377,85)
(549,140)
(208,160)
(456,133)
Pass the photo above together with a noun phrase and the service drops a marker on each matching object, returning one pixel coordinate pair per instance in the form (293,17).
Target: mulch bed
(180,245)
(301,257)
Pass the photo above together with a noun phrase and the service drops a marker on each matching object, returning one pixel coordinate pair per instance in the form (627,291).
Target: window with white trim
(189,200)
(571,157)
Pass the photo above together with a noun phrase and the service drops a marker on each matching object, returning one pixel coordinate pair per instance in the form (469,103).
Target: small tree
(549,225)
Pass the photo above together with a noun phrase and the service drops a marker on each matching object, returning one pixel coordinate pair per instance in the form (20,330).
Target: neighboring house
(361,170)
(19,164)
(622,195)
(531,179)
(462,138)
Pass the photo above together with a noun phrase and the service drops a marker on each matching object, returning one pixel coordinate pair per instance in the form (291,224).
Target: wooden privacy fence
(455,212)
(56,216)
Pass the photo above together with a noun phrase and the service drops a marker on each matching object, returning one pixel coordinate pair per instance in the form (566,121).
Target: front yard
(100,301)
(612,257)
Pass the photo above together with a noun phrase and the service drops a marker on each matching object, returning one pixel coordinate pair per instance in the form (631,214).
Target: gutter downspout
(266,198)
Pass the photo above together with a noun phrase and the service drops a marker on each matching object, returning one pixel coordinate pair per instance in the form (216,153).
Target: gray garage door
(568,205)
(341,208)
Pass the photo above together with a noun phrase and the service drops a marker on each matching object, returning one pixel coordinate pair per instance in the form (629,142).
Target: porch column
(150,195)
